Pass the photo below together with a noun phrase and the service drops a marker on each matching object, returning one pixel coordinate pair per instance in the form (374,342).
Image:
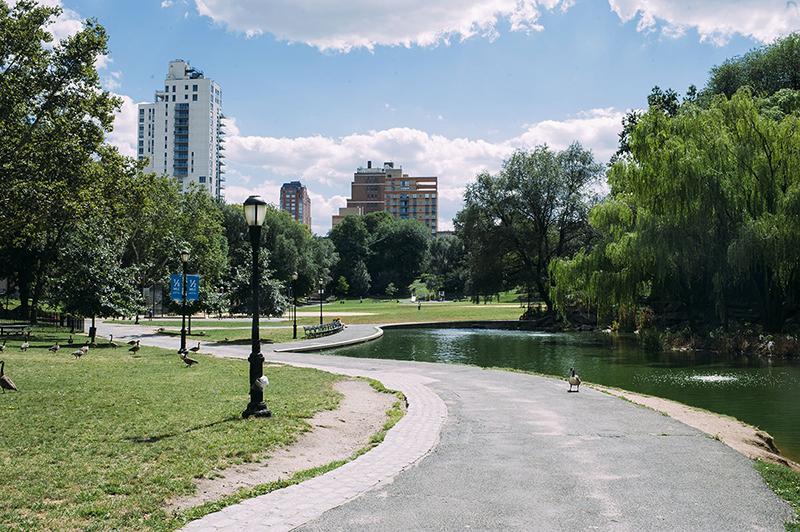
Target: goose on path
(574,380)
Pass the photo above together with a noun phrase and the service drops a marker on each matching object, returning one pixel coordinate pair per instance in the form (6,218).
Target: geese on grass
(70,340)
(54,348)
(3,347)
(5,382)
(187,360)
(574,380)
(25,345)
(79,353)
(135,348)
(111,342)
(195,349)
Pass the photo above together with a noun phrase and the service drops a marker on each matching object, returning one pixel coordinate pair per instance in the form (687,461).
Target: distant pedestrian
(419,305)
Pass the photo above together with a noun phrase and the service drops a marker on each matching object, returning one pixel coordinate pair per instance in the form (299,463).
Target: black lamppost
(294,308)
(321,291)
(255,210)
(185,260)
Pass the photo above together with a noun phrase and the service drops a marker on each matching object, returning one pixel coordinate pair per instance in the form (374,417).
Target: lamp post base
(257,410)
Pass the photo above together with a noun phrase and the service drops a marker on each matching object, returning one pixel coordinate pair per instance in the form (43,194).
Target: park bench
(14,328)
(313,331)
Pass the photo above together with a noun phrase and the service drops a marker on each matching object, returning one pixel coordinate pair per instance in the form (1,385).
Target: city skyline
(449,88)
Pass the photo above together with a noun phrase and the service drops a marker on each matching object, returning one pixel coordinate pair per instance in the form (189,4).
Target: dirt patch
(335,435)
(741,437)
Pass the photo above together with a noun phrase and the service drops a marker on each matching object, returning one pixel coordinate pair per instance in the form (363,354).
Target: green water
(761,392)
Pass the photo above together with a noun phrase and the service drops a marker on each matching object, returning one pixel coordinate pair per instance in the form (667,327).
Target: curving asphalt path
(494,451)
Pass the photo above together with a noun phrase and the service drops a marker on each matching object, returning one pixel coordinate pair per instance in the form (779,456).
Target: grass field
(100,442)
(360,311)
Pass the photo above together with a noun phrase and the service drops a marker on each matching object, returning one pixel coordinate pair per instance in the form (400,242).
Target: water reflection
(761,392)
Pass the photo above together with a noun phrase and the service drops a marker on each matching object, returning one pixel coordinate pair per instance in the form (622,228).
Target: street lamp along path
(185,255)
(294,307)
(255,209)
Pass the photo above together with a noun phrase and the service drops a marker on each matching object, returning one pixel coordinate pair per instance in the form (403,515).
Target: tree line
(700,223)
(83,230)
(695,218)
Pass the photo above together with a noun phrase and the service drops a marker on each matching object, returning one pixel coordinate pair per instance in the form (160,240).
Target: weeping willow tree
(704,211)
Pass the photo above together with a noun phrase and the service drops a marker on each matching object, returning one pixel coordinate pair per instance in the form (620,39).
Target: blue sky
(314,88)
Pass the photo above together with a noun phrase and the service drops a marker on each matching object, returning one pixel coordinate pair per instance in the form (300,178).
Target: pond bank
(741,437)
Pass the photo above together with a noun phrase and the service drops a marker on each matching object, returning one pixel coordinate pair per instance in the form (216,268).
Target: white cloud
(66,24)
(343,25)
(347,24)
(716,21)
(112,81)
(596,129)
(125,127)
(327,164)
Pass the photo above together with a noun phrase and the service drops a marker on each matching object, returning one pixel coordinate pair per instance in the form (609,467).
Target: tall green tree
(534,211)
(446,265)
(53,116)
(766,69)
(704,213)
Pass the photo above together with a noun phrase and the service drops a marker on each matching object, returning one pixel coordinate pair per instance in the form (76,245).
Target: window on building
(194,97)
(194,88)
(201,179)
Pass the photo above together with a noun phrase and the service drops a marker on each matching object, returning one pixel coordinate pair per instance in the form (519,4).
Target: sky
(313,89)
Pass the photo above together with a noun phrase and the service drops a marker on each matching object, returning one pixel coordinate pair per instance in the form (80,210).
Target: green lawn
(100,442)
(367,311)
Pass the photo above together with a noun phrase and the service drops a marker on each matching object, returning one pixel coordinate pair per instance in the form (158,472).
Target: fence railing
(55,319)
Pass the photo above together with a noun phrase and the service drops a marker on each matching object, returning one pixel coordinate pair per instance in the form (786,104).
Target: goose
(189,361)
(132,342)
(5,382)
(112,343)
(3,347)
(78,353)
(70,340)
(574,380)
(54,348)
(195,349)
(25,345)
(135,348)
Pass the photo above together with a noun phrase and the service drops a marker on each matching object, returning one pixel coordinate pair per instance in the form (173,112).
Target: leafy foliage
(376,250)
(704,213)
(535,210)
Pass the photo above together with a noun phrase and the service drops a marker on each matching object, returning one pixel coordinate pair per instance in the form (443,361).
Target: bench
(14,328)
(313,331)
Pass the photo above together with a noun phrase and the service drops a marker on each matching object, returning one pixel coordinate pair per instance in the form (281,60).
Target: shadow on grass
(154,439)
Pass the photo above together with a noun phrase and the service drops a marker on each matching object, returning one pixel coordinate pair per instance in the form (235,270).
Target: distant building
(295,201)
(182,132)
(344,212)
(389,189)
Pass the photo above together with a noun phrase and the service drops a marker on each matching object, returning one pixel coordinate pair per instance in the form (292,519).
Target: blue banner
(192,287)
(176,287)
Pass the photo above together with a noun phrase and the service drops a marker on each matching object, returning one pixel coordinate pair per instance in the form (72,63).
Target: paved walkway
(493,450)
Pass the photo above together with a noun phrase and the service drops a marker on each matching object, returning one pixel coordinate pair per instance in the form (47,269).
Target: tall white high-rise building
(182,132)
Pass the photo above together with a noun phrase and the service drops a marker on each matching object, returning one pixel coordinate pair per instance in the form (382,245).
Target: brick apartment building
(389,189)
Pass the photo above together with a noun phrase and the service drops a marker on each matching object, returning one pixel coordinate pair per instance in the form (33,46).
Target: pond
(761,392)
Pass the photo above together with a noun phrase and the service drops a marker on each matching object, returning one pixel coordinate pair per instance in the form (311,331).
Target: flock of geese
(7,384)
